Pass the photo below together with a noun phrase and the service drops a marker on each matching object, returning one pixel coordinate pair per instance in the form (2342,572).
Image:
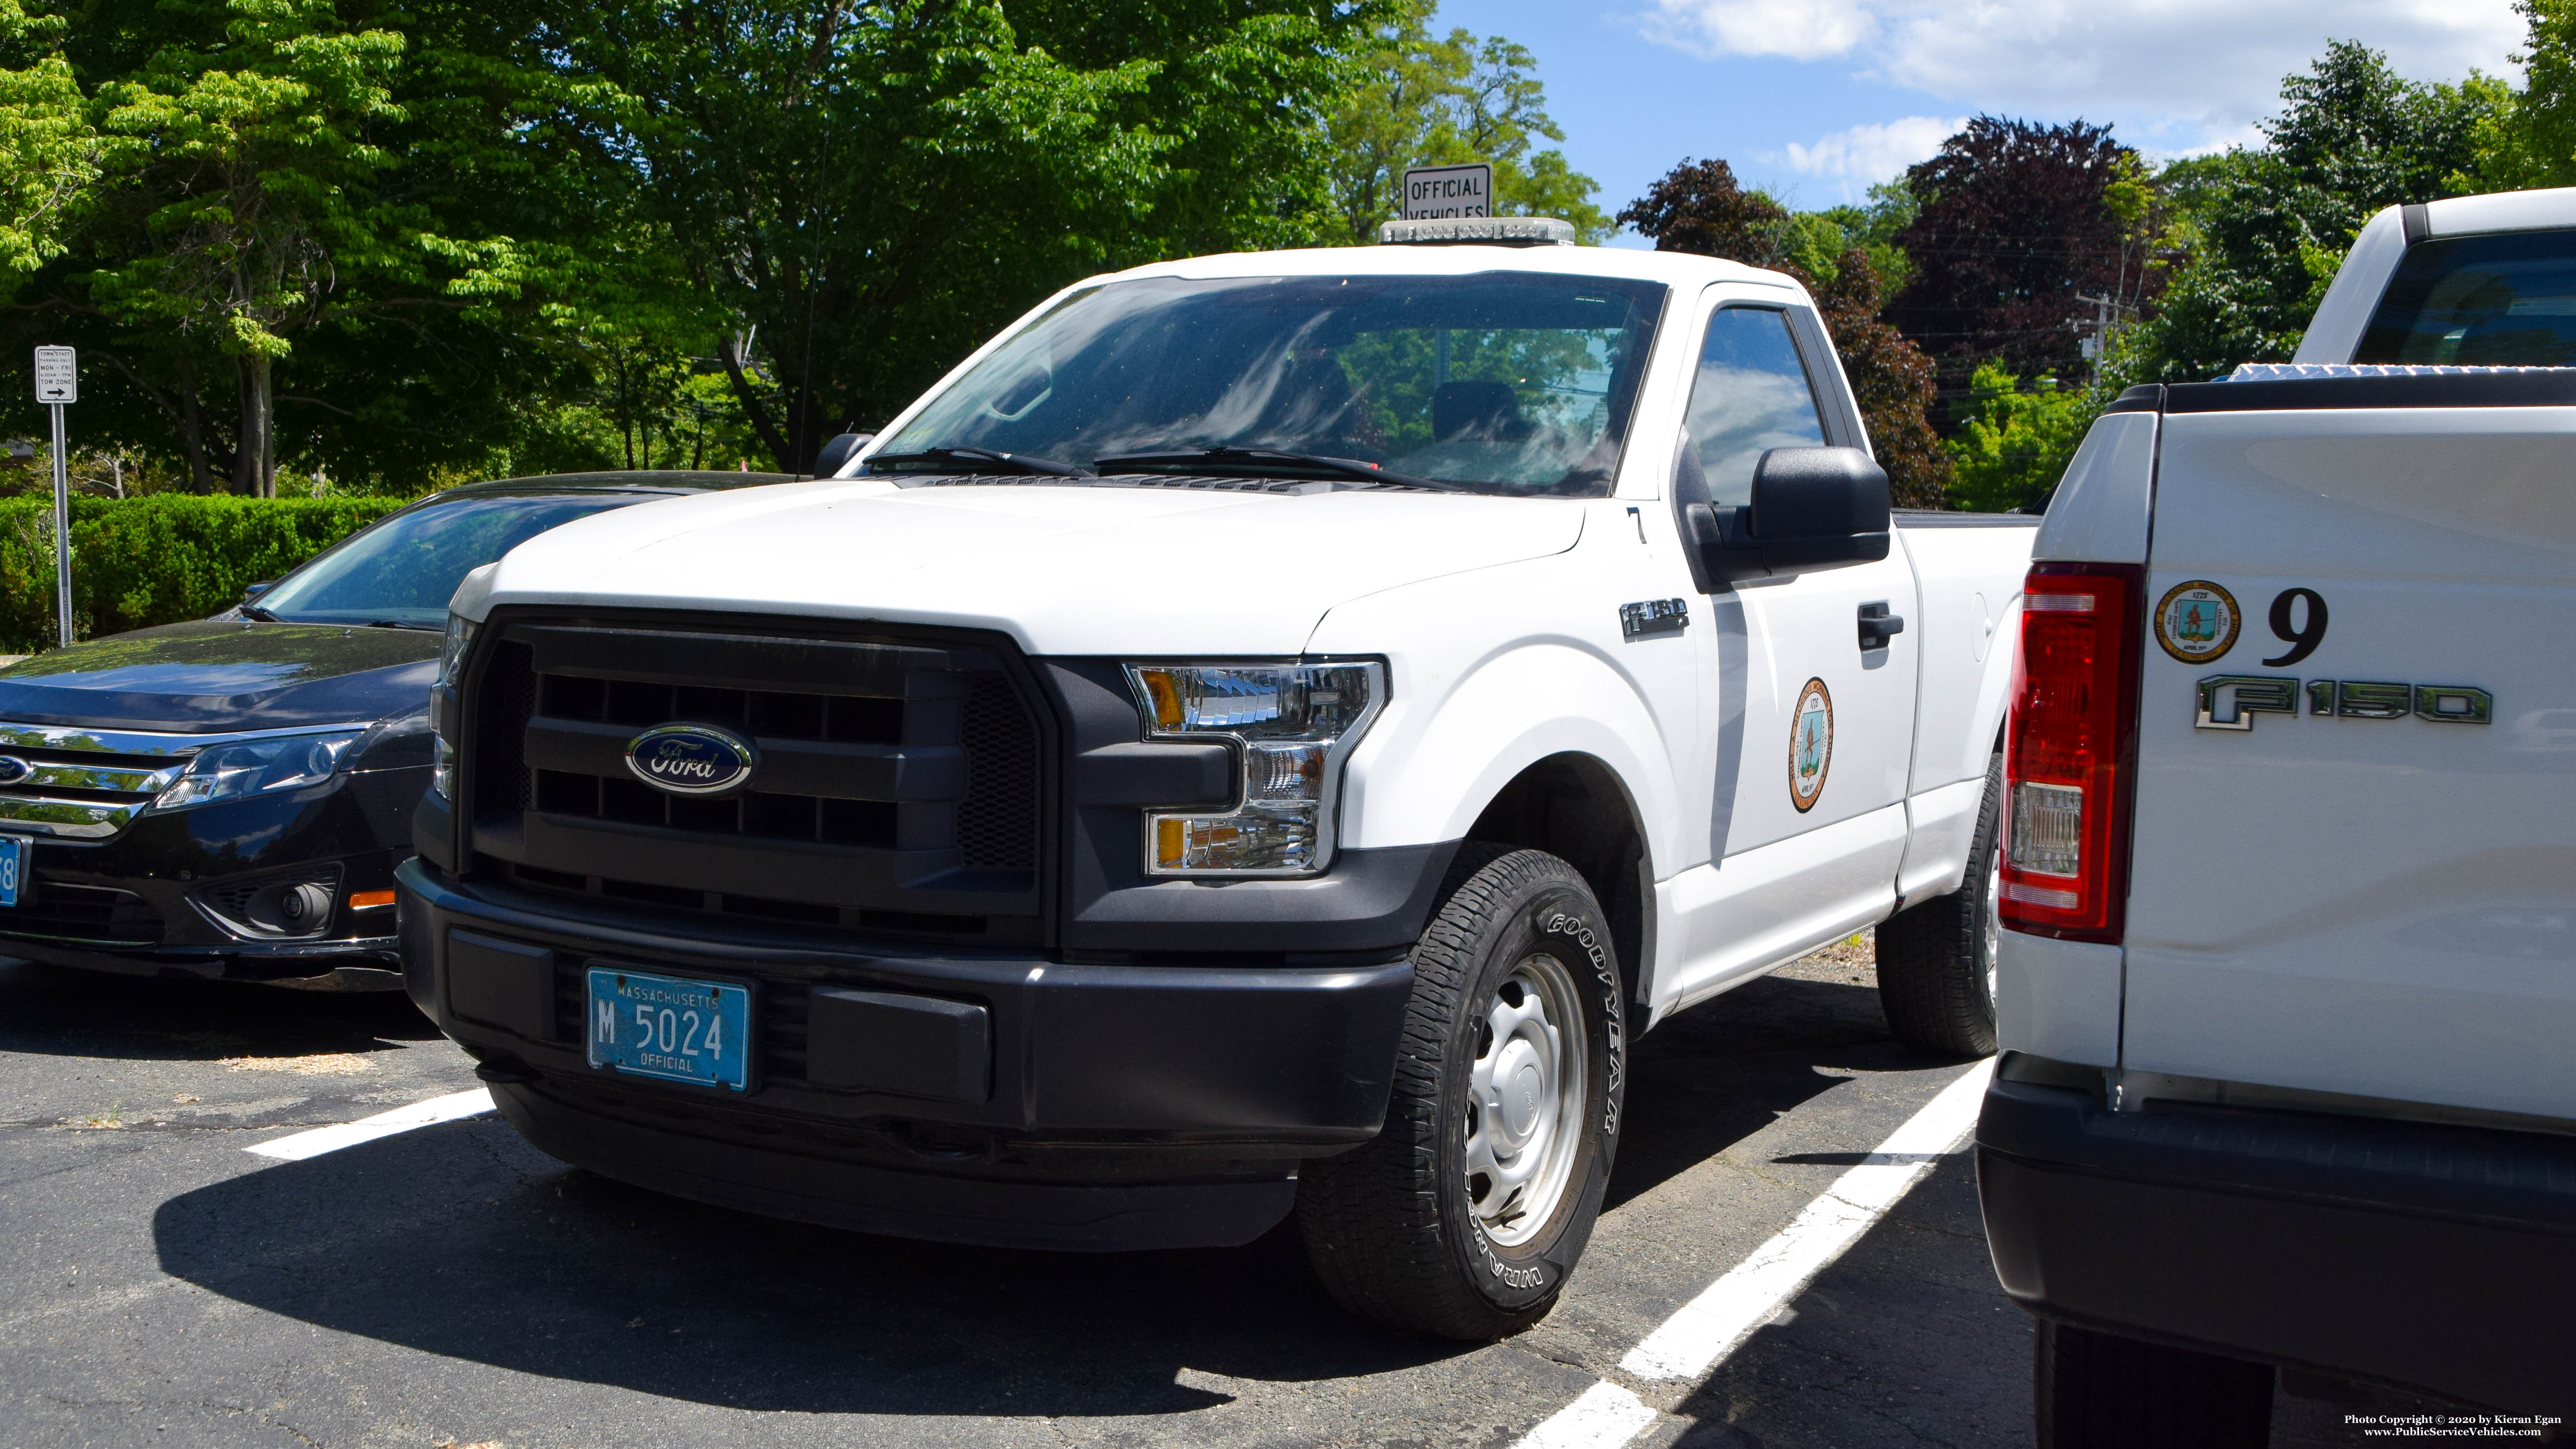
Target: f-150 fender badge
(692,759)
(1653,616)
(1811,745)
(2196,621)
(2230,701)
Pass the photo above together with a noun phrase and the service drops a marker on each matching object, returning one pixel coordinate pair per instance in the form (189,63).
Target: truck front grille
(899,785)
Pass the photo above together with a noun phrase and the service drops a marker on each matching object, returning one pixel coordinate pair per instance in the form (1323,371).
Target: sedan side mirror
(1813,508)
(253,591)
(838,451)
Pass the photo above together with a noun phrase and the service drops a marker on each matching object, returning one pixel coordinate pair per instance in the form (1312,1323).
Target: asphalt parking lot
(450,1286)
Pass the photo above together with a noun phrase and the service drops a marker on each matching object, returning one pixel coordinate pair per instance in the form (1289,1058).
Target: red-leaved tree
(1699,207)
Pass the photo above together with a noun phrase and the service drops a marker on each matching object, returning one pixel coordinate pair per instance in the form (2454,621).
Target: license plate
(13,867)
(670,1028)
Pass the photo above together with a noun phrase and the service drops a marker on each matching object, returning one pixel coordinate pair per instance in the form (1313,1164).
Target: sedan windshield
(404,569)
(1500,382)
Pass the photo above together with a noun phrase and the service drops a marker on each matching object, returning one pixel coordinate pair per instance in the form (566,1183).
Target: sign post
(1438,191)
(58,386)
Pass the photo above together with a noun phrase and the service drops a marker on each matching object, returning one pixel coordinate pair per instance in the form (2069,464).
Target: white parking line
(1705,1330)
(384,1124)
(1606,1414)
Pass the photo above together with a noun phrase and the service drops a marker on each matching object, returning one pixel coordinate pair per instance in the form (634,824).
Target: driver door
(1808,825)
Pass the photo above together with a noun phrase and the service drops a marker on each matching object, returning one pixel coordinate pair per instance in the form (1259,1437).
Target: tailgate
(2360,887)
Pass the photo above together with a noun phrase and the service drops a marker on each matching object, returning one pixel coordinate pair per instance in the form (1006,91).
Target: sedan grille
(81,784)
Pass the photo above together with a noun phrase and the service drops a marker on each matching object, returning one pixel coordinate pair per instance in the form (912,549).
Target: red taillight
(2070,751)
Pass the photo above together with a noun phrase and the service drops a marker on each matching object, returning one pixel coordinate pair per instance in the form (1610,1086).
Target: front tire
(1936,962)
(1465,1216)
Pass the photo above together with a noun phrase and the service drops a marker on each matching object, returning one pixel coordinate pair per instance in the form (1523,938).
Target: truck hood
(194,678)
(1169,569)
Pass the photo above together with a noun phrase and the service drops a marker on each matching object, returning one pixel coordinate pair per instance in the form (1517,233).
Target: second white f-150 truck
(2289,966)
(1261,735)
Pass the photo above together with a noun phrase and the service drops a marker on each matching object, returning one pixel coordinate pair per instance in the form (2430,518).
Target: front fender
(1440,762)
(1472,707)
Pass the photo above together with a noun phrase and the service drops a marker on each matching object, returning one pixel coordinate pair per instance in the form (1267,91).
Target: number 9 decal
(2303,637)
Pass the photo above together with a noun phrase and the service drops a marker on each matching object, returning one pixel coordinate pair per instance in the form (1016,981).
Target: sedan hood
(201,677)
(1186,566)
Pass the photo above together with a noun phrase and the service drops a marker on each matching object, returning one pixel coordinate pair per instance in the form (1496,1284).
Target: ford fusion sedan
(228,798)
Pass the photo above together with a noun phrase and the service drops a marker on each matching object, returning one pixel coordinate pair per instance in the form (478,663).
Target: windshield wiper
(401,624)
(254,611)
(1338,467)
(990,460)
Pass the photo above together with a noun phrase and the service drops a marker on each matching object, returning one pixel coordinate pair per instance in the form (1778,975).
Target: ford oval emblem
(692,759)
(13,769)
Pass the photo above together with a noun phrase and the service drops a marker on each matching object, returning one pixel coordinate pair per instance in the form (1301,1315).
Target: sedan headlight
(442,704)
(1292,725)
(452,647)
(257,767)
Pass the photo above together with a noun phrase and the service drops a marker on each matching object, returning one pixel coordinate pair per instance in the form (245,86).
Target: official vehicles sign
(1437,191)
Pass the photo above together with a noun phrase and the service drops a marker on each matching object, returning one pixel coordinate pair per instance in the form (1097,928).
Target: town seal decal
(2197,621)
(1811,744)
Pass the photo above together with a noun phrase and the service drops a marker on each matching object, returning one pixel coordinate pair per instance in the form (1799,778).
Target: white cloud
(1861,156)
(1798,29)
(2174,75)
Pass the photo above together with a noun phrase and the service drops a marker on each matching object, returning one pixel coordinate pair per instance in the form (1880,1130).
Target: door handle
(1877,626)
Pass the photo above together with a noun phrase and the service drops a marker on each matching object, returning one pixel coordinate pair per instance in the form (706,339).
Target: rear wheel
(1936,962)
(1465,1216)
(2100,1391)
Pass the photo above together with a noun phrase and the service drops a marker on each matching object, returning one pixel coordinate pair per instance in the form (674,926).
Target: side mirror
(1813,508)
(838,451)
(253,591)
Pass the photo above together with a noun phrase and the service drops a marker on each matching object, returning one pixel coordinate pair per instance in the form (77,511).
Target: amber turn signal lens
(361,900)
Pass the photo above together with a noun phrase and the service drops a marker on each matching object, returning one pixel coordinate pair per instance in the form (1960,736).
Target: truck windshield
(1499,382)
(2503,300)
(404,569)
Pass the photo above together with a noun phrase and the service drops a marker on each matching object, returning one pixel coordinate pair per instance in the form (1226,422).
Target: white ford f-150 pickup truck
(1262,735)
(2288,974)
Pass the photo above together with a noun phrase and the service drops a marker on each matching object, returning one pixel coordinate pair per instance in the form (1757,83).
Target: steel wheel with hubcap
(1526,1094)
(1467,1213)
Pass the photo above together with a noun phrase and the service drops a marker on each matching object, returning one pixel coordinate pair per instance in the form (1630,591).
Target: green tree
(2264,229)
(2014,443)
(865,191)
(256,156)
(2529,140)
(360,236)
(1820,238)
(49,149)
(1440,101)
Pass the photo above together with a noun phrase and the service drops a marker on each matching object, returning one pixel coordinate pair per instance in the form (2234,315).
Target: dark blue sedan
(228,798)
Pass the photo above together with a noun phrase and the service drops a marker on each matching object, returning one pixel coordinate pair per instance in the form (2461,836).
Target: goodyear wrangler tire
(1465,1216)
(1936,962)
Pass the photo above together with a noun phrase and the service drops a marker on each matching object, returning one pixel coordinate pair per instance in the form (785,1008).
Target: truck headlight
(257,767)
(442,704)
(1291,725)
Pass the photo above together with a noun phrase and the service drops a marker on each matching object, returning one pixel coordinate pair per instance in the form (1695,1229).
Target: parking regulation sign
(1437,191)
(57,375)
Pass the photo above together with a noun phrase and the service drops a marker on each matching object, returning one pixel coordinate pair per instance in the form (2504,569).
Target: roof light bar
(1503,231)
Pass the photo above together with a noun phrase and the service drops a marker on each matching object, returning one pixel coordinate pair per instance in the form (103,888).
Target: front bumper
(135,903)
(1102,1107)
(2420,1256)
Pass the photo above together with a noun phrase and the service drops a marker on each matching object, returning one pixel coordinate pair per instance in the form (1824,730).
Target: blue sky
(1813,100)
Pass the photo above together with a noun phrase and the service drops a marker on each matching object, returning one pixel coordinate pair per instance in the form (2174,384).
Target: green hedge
(157,560)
